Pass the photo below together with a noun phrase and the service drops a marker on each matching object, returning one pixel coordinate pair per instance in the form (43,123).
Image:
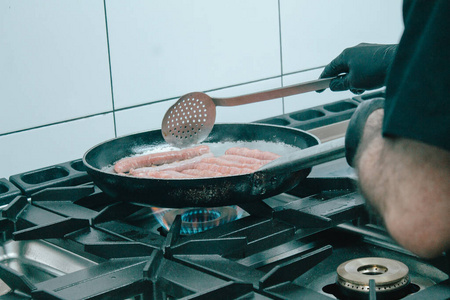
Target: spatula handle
(295,89)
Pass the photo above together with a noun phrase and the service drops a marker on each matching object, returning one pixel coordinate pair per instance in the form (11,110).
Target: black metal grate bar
(16,280)
(291,270)
(13,209)
(51,230)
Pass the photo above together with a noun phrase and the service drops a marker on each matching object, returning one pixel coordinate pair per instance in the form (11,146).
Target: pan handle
(307,158)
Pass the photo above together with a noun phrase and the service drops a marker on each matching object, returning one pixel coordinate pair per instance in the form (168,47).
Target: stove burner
(194,220)
(391,277)
(200,216)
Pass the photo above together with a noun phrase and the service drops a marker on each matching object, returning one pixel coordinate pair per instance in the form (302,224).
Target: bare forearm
(407,182)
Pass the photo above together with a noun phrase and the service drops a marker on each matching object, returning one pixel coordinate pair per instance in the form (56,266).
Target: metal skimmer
(190,120)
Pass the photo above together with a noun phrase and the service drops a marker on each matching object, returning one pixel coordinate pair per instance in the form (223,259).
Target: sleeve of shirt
(418,86)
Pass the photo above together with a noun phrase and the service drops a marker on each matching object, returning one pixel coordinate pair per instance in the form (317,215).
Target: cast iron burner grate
(259,255)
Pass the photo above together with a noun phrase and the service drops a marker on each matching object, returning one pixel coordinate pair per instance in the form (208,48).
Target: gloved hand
(356,126)
(365,67)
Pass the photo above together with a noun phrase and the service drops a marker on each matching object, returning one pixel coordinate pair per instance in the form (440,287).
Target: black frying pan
(274,178)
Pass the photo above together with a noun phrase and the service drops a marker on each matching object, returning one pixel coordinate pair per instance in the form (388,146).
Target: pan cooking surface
(218,149)
(205,192)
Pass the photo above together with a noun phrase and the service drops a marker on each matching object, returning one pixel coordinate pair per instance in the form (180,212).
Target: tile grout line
(143,104)
(281,52)
(56,123)
(110,69)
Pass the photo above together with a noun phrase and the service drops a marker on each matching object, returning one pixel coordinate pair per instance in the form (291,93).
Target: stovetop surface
(71,241)
(289,251)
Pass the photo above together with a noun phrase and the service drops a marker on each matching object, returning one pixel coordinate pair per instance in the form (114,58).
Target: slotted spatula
(190,120)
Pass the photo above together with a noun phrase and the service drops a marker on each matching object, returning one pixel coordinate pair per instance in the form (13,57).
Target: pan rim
(108,173)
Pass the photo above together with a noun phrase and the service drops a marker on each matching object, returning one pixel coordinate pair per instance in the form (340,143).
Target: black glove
(356,126)
(365,67)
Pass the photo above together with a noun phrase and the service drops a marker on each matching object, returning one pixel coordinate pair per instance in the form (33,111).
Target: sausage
(196,162)
(167,174)
(225,170)
(202,173)
(128,163)
(230,163)
(201,166)
(175,166)
(244,159)
(253,153)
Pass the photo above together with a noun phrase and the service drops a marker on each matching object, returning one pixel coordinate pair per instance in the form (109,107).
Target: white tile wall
(54,62)
(55,80)
(303,101)
(315,32)
(142,118)
(149,117)
(161,50)
(248,112)
(41,147)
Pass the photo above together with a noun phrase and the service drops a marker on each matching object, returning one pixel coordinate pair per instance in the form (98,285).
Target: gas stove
(63,238)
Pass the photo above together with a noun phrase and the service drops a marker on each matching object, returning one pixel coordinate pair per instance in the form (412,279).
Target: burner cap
(389,275)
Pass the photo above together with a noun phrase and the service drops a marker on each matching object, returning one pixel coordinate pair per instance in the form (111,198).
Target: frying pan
(274,178)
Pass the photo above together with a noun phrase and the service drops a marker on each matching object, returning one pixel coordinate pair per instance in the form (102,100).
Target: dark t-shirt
(418,85)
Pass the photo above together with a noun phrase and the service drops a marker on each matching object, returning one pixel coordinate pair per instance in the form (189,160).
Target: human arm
(407,183)
(365,67)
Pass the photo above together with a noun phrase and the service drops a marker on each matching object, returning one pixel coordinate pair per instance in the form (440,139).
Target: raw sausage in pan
(180,165)
(126,164)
